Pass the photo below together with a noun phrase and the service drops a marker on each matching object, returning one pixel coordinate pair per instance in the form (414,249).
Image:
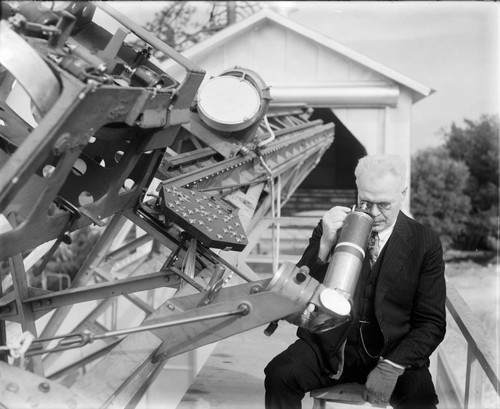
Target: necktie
(373,248)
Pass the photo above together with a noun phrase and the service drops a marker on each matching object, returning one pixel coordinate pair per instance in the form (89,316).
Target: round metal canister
(349,253)
(232,101)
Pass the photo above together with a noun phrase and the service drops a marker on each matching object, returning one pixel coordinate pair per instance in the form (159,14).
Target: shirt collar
(384,235)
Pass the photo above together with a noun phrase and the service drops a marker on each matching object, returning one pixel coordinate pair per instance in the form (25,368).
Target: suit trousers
(296,371)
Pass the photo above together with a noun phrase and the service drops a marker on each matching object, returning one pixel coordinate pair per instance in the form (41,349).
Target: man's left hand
(381,382)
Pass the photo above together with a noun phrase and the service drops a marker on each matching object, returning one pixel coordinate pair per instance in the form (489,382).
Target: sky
(451,47)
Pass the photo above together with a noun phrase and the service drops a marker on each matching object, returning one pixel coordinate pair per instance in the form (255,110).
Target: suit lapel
(397,250)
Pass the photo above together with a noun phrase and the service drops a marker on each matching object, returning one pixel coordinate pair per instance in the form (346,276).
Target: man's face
(385,196)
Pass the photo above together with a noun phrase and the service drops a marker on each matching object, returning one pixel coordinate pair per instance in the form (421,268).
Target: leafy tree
(181,24)
(477,145)
(439,200)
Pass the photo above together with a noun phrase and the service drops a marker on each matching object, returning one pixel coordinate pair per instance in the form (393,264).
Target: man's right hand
(332,222)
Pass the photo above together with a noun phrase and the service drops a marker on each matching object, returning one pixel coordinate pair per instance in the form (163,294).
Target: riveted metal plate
(212,221)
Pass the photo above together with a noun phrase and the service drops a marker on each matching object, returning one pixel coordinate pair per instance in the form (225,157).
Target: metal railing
(481,360)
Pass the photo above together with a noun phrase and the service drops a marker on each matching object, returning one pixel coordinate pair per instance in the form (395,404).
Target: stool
(344,395)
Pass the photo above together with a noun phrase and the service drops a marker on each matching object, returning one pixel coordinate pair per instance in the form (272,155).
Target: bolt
(61,144)
(300,277)
(66,238)
(44,387)
(255,289)
(244,308)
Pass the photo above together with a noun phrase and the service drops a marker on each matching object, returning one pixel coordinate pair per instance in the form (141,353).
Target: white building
(371,103)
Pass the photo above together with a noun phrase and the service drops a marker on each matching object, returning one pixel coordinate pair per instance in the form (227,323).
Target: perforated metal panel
(212,221)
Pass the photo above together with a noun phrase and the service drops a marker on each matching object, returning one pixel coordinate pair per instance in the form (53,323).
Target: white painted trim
(418,89)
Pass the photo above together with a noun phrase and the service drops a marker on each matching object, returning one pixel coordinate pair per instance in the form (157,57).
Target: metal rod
(276,224)
(75,340)
(241,310)
(188,279)
(127,247)
(231,267)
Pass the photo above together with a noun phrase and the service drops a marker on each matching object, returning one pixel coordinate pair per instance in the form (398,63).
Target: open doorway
(332,182)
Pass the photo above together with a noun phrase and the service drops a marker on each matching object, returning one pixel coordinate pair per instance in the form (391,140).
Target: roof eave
(418,90)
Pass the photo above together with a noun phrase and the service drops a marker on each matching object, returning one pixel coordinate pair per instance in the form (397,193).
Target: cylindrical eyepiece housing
(349,253)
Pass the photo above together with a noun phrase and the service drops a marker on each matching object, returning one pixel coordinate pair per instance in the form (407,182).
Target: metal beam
(103,290)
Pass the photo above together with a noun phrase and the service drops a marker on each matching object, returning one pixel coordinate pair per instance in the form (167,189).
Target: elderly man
(398,316)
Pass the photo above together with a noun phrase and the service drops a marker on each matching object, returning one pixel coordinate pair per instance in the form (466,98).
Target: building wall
(280,55)
(383,130)
(286,58)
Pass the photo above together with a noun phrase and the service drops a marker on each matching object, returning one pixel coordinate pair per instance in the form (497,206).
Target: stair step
(319,199)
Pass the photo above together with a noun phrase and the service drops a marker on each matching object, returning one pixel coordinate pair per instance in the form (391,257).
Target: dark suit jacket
(410,296)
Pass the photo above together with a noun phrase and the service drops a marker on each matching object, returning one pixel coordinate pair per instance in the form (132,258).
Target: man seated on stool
(398,312)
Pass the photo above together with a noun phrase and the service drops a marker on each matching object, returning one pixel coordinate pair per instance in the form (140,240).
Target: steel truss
(174,202)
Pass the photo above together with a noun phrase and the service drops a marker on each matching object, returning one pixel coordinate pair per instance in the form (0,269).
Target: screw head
(44,387)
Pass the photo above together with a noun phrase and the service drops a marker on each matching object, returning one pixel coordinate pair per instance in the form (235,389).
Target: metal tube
(370,95)
(241,310)
(230,266)
(344,268)
(75,340)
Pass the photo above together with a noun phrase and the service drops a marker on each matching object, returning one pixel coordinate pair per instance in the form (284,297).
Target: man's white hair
(380,164)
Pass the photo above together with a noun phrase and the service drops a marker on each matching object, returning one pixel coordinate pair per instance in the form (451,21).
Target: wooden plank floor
(233,377)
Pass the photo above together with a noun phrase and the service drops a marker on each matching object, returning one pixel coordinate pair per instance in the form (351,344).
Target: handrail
(480,353)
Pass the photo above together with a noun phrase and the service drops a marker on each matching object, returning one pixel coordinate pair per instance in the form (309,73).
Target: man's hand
(381,382)
(332,222)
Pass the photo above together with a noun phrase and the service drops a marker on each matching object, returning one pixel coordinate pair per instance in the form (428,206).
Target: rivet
(44,387)
(12,387)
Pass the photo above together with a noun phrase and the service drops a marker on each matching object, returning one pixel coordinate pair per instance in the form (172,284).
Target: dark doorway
(336,168)
(332,181)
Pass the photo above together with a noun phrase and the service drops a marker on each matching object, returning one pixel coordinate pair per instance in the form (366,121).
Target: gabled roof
(417,89)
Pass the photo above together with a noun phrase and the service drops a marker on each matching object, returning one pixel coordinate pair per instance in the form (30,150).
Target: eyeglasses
(366,205)
(363,204)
